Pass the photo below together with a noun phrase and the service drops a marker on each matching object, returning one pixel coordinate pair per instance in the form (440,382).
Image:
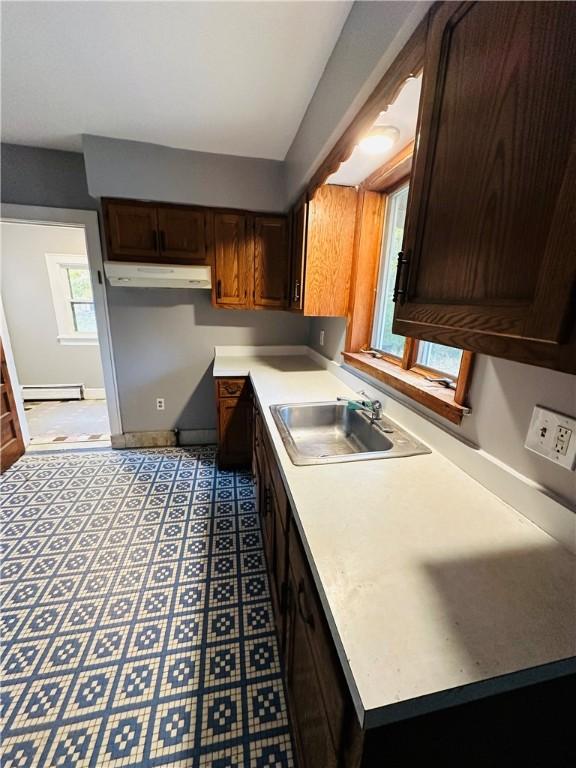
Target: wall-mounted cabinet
(150,233)
(322,251)
(251,261)
(488,255)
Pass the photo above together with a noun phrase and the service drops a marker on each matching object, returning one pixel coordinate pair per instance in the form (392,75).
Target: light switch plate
(553,435)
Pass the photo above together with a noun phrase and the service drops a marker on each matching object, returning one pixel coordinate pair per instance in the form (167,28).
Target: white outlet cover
(542,434)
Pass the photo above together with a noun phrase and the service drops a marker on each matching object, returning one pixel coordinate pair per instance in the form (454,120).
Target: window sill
(75,341)
(433,396)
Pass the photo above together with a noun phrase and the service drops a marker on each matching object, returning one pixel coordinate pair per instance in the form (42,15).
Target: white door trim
(87,220)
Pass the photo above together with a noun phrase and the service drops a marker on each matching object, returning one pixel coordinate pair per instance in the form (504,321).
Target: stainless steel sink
(328,433)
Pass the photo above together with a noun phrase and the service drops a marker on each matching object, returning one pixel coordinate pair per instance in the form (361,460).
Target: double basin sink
(328,433)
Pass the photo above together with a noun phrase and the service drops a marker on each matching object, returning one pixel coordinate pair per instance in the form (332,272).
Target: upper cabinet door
(299,226)
(232,247)
(271,263)
(182,235)
(132,231)
(489,248)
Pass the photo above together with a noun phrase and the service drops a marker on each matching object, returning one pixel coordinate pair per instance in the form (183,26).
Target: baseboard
(165,438)
(94,393)
(51,391)
(197,436)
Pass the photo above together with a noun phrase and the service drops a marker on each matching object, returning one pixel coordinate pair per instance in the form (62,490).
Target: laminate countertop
(435,590)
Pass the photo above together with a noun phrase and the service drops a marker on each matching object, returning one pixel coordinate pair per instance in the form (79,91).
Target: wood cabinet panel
(330,676)
(322,252)
(182,233)
(312,737)
(132,230)
(490,231)
(271,262)
(237,387)
(11,441)
(299,227)
(232,267)
(235,420)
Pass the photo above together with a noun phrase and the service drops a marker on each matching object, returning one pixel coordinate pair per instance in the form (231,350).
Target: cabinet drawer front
(311,613)
(232,388)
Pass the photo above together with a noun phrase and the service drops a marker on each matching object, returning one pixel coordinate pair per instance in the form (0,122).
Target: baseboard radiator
(52,392)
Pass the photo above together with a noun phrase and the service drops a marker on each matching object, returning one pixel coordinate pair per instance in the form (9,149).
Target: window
(434,375)
(73,300)
(441,360)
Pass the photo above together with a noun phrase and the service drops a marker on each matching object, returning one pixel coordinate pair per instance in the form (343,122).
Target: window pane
(442,359)
(84,318)
(383,338)
(79,280)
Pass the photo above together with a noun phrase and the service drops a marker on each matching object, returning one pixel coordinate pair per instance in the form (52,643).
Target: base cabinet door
(313,742)
(234,432)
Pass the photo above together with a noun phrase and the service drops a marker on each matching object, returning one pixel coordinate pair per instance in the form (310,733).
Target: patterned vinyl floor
(136,624)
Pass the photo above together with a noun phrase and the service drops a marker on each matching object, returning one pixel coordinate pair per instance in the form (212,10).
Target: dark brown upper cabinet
(271,262)
(132,231)
(322,251)
(489,260)
(183,234)
(233,246)
(153,233)
(251,261)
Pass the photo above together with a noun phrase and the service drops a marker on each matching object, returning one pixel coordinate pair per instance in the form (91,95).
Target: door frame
(88,221)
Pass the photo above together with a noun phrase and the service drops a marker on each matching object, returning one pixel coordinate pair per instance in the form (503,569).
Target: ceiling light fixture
(379,139)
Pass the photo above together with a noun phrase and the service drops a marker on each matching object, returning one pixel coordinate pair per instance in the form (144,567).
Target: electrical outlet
(160,404)
(553,435)
(322,338)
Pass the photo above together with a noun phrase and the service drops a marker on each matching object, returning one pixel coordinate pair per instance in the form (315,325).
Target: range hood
(131,275)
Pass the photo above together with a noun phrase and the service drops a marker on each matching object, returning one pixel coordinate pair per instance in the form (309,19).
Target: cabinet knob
(219,289)
(297,290)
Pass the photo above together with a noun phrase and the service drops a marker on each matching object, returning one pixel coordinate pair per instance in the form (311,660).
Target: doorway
(56,326)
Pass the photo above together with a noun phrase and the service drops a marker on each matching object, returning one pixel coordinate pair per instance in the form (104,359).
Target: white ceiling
(227,77)
(402,114)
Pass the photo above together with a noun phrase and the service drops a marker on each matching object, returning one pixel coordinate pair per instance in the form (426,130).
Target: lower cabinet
(317,692)
(234,411)
(325,728)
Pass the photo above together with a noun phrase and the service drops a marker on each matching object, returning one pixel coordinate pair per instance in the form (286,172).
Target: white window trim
(57,263)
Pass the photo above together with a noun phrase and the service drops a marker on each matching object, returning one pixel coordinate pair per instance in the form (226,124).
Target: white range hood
(131,275)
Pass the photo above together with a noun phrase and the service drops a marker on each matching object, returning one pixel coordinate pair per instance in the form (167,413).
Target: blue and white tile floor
(136,625)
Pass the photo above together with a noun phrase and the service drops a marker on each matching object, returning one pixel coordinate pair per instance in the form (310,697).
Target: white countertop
(436,591)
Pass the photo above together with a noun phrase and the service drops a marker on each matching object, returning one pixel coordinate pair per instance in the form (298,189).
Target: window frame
(57,265)
(401,373)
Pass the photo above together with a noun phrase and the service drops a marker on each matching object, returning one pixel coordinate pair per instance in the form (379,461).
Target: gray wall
(373,35)
(39,357)
(116,168)
(47,177)
(164,342)
(163,339)
(502,396)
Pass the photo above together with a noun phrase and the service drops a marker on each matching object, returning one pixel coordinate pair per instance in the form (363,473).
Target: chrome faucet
(373,407)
